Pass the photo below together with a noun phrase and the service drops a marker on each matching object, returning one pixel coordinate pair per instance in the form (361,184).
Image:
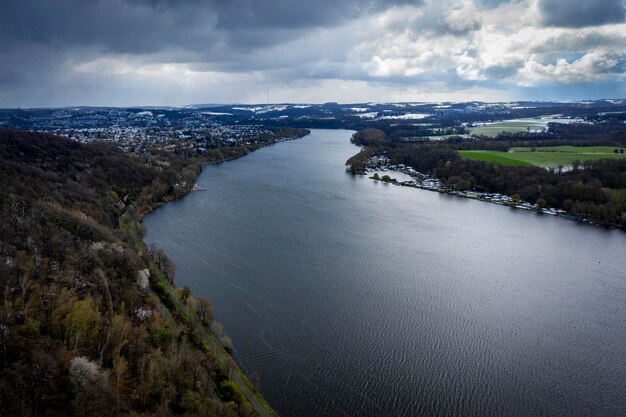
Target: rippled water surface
(355,298)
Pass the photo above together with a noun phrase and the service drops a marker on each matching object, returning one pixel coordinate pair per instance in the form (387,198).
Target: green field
(581,150)
(547,157)
(496,157)
(494,129)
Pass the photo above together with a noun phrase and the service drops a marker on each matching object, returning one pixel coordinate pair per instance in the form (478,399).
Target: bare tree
(204,311)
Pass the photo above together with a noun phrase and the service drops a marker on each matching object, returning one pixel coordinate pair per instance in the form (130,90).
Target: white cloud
(464,19)
(593,66)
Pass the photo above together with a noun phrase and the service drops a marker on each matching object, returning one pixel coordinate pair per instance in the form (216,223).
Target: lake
(350,297)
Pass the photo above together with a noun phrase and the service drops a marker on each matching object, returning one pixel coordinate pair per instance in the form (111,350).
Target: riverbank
(174,308)
(178,313)
(182,188)
(591,190)
(425,182)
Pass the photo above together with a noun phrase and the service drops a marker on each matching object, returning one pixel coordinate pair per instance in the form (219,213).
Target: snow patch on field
(407,116)
(216,113)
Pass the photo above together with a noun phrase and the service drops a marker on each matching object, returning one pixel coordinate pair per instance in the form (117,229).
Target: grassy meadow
(544,157)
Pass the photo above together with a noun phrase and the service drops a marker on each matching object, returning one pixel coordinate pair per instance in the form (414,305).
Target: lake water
(350,297)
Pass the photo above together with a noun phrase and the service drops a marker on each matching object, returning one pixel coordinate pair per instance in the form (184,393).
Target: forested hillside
(80,331)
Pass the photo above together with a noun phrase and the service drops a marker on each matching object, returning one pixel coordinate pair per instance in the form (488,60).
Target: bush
(159,288)
(231,392)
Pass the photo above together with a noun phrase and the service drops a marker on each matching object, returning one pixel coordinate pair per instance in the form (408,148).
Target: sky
(57,53)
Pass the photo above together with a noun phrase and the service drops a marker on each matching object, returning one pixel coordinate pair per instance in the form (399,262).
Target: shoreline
(191,187)
(188,189)
(255,398)
(493,198)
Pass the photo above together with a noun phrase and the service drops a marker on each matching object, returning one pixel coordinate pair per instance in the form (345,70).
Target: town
(186,133)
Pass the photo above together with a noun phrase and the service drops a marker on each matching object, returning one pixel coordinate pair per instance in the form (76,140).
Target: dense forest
(81,330)
(595,190)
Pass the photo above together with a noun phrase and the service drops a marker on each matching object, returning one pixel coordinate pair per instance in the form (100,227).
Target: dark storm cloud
(289,14)
(136,26)
(114,25)
(581,13)
(42,42)
(216,32)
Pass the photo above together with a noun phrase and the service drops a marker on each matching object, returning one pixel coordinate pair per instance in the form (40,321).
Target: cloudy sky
(175,52)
